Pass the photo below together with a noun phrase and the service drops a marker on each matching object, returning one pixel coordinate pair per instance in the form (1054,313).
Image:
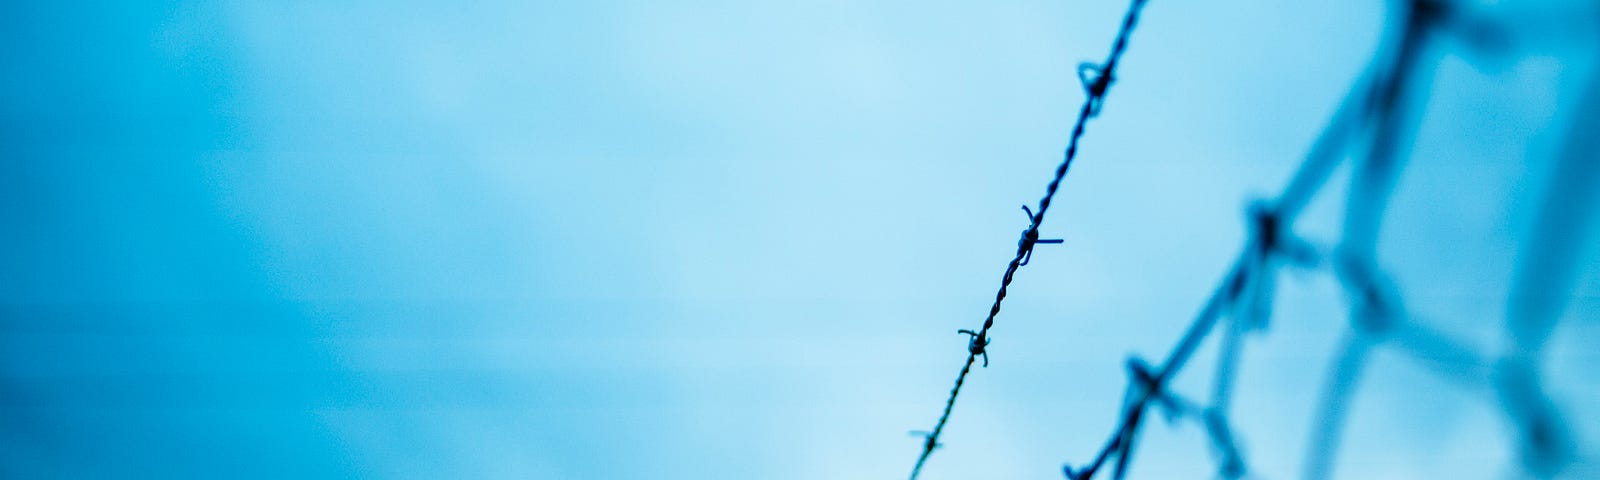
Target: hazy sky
(720,239)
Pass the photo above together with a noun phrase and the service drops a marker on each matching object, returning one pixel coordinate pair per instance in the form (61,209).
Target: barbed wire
(1375,110)
(1096,81)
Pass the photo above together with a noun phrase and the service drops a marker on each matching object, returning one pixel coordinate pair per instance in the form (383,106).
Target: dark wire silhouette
(1097,81)
(1376,109)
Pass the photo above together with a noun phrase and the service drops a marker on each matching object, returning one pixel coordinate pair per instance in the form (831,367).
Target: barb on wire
(977,345)
(1030,238)
(1097,82)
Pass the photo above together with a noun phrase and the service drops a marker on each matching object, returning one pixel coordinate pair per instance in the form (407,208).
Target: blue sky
(626,239)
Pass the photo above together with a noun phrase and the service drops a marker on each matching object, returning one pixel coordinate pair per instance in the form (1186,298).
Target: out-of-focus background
(724,239)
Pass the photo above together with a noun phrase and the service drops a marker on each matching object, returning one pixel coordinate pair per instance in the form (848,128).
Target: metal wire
(1097,81)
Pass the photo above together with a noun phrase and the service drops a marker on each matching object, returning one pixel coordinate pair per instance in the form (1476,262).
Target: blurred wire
(1376,109)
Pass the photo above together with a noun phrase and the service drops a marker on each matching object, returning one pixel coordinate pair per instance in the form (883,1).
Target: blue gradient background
(718,239)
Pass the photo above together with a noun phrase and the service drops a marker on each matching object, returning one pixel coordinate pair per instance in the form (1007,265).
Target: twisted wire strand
(1097,81)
